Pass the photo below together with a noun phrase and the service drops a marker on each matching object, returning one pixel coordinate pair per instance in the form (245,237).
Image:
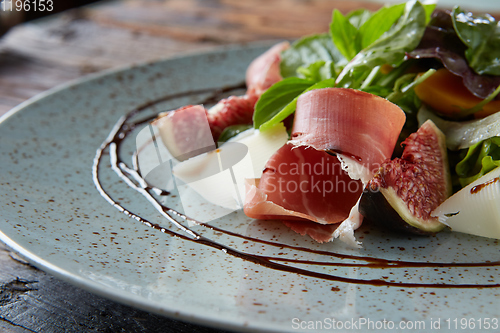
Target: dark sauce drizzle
(479,187)
(132,177)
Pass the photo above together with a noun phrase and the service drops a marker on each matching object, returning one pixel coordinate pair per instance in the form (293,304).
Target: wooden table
(39,55)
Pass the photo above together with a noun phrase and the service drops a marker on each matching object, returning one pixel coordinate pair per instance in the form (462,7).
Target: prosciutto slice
(353,133)
(263,72)
(301,182)
(235,110)
(360,128)
(321,233)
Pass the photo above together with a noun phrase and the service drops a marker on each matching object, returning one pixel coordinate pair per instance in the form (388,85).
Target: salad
(390,116)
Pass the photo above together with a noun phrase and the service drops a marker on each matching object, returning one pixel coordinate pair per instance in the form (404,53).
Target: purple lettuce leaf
(440,41)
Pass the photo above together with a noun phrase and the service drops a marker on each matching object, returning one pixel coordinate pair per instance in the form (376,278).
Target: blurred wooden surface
(42,54)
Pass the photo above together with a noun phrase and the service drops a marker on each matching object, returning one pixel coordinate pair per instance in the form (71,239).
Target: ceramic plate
(53,214)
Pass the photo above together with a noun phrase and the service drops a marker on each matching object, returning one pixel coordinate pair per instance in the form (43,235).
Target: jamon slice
(360,129)
(308,191)
(235,110)
(264,71)
(321,233)
(303,183)
(185,132)
(180,129)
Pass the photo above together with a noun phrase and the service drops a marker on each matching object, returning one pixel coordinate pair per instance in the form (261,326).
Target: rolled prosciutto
(340,137)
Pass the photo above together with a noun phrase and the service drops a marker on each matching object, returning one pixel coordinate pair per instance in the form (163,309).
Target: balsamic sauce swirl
(132,177)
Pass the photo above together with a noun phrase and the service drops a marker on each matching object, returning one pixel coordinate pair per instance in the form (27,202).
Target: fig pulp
(404,191)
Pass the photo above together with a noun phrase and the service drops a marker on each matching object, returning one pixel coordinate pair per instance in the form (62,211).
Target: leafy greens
(377,53)
(350,55)
(307,51)
(480,159)
(481,35)
(379,40)
(440,41)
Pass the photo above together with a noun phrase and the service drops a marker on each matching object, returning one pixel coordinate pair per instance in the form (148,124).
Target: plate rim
(114,294)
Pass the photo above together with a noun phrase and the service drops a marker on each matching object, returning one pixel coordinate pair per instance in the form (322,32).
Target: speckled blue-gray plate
(53,215)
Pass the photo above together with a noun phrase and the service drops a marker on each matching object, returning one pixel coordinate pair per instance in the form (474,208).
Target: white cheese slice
(475,209)
(218,176)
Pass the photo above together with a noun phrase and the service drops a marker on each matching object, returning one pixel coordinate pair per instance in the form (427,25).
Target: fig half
(404,191)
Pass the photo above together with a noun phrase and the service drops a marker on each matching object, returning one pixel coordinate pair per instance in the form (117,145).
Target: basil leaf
(345,35)
(277,97)
(358,17)
(318,71)
(391,47)
(232,131)
(429,9)
(378,24)
(307,51)
(290,107)
(481,35)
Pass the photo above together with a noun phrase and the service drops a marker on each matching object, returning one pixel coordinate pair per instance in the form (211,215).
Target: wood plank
(37,56)
(32,301)
(226,21)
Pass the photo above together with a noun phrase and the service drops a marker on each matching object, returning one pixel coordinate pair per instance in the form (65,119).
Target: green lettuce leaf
(359,29)
(369,39)
(429,8)
(390,48)
(307,51)
(480,159)
(481,35)
(403,87)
